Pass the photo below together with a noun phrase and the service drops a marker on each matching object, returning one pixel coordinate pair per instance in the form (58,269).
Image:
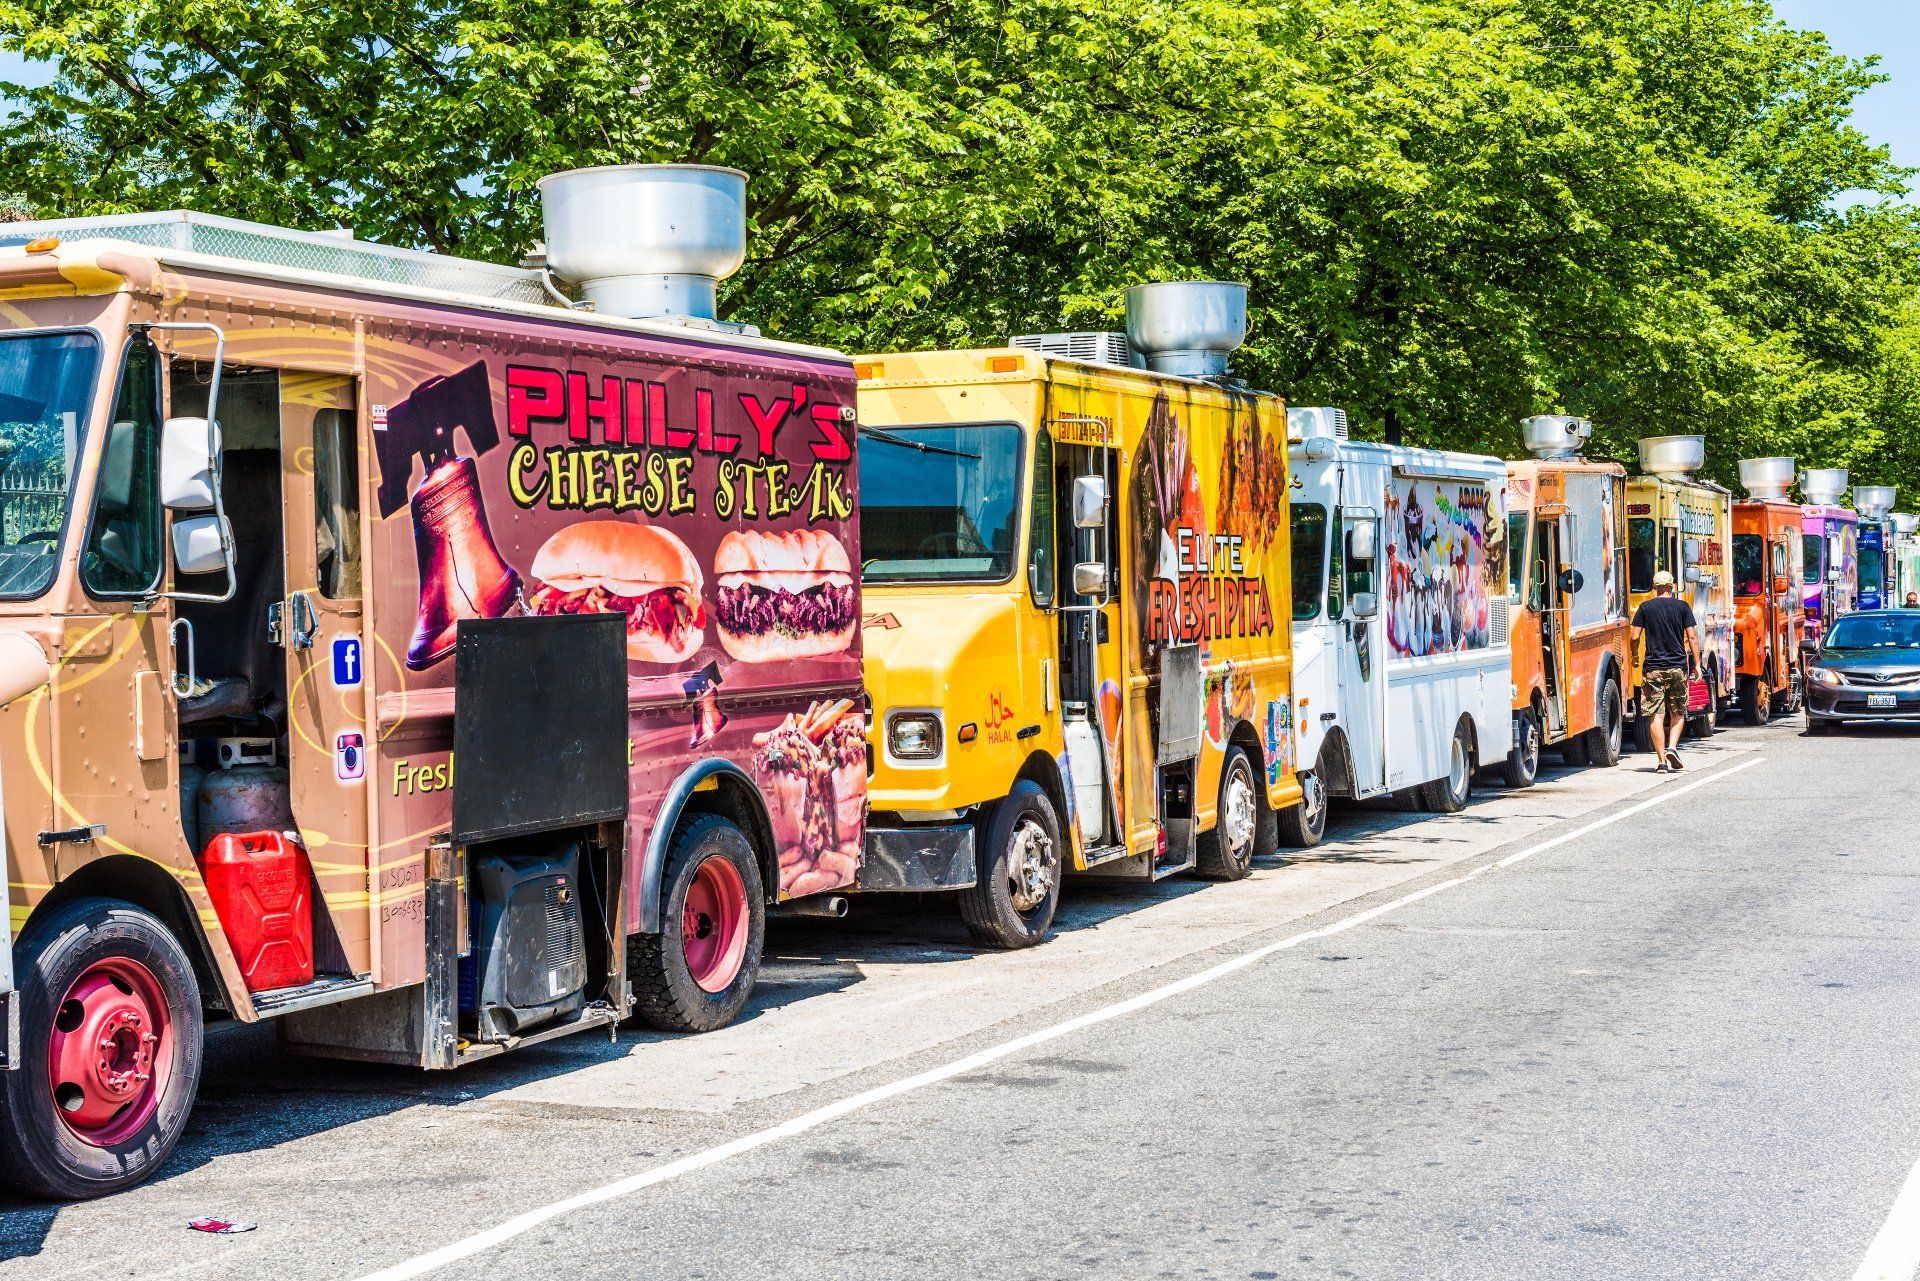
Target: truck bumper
(917,857)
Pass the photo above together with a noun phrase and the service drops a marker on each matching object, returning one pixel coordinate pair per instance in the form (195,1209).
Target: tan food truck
(288,522)
(1682,524)
(1076,582)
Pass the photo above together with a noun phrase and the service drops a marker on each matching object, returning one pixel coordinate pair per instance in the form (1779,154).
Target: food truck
(287,518)
(1830,540)
(1768,619)
(1075,551)
(1906,556)
(1873,566)
(1682,524)
(1566,592)
(1400,629)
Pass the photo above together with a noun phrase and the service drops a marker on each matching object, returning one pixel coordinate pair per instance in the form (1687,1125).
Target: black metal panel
(539,724)
(917,858)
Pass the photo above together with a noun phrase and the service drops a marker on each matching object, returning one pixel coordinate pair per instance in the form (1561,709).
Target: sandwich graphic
(642,571)
(781,596)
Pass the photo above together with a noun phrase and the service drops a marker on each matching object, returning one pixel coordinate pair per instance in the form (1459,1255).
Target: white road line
(1895,1252)
(467,1247)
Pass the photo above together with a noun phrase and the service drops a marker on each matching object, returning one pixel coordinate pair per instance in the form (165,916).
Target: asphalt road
(1621,1025)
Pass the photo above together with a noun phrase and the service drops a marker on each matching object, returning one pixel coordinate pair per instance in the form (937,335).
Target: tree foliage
(1452,212)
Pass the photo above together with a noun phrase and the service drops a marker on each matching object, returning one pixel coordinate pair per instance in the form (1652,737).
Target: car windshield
(1749,565)
(1875,632)
(46,384)
(939,504)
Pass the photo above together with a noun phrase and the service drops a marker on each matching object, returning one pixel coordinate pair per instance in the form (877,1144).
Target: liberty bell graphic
(462,574)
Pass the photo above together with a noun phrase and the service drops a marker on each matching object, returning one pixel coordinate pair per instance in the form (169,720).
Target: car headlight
(1826,676)
(914,736)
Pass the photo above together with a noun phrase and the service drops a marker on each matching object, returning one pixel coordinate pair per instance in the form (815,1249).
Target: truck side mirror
(200,543)
(1364,604)
(1572,580)
(1089,502)
(1781,583)
(1090,578)
(1690,551)
(1361,537)
(189,463)
(1693,573)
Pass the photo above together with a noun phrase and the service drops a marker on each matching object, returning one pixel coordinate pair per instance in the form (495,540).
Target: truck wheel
(1606,739)
(1522,765)
(111,1047)
(1448,794)
(1303,826)
(1243,826)
(697,972)
(1755,701)
(1017,885)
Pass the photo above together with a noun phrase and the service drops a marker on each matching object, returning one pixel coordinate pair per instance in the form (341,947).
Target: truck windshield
(1641,554)
(1812,550)
(1871,568)
(46,385)
(1309,559)
(1749,565)
(939,504)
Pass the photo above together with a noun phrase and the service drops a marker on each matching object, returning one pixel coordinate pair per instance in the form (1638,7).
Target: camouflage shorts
(1664,693)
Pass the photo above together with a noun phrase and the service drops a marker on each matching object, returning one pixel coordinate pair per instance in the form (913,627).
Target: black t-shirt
(1666,621)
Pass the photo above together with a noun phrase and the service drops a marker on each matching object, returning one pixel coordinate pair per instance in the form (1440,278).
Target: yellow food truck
(1076,594)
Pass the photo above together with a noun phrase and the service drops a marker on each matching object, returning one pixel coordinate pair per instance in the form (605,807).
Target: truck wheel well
(1043,770)
(145,884)
(1339,762)
(1474,754)
(742,805)
(1243,737)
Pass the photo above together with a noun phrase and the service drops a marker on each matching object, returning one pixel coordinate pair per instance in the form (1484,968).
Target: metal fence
(33,498)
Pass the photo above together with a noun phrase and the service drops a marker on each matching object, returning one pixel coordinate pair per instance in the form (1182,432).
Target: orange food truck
(290,522)
(1769,619)
(1567,574)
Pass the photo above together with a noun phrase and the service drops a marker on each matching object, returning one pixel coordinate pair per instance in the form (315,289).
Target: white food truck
(1402,658)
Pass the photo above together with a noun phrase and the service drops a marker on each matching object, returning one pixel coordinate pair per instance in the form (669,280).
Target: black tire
(1216,859)
(989,907)
(1522,765)
(1607,739)
(1643,733)
(1449,793)
(40,1155)
(1756,702)
(1304,826)
(665,992)
(1573,750)
(1817,728)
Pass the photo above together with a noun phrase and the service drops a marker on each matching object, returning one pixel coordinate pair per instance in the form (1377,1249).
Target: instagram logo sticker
(349,756)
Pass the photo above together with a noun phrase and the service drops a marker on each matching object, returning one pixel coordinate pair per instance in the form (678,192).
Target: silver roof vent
(1092,347)
(1874,501)
(1316,420)
(1824,486)
(1905,524)
(646,241)
(1555,437)
(1767,479)
(1187,327)
(1673,457)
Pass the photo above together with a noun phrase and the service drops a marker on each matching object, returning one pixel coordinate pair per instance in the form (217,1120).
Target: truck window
(1813,556)
(336,503)
(1779,558)
(1309,521)
(1040,566)
(46,389)
(940,504)
(1359,574)
(1870,569)
(1749,565)
(1337,580)
(1517,527)
(123,544)
(1640,554)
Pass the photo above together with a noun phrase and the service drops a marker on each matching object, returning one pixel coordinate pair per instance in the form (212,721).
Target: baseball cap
(1662,579)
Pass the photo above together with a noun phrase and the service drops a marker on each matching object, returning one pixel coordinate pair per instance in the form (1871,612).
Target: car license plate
(1881,702)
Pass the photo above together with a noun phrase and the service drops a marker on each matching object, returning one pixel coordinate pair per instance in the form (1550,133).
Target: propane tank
(192,778)
(1089,793)
(248,793)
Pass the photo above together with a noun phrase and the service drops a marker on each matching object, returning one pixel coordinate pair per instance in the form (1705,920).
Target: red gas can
(262,892)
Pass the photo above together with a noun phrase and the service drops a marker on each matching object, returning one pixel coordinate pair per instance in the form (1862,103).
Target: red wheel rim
(713,931)
(110,1051)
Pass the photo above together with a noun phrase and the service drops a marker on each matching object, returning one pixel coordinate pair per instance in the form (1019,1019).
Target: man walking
(1668,652)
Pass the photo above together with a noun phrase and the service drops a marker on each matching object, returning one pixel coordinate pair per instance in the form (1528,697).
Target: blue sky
(1890,113)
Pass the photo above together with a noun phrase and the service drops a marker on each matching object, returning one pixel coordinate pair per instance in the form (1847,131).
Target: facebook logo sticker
(346,661)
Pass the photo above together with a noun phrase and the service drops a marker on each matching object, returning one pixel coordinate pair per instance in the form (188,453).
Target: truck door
(1361,641)
(320,627)
(1556,603)
(1092,679)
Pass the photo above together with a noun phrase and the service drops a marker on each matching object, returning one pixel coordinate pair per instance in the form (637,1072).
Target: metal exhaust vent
(1767,479)
(646,241)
